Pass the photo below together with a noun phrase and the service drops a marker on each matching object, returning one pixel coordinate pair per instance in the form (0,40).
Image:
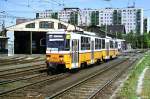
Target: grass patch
(146,86)
(128,91)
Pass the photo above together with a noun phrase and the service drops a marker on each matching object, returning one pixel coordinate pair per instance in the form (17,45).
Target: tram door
(92,51)
(75,53)
(107,48)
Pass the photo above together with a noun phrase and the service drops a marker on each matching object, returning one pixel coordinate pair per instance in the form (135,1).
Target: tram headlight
(61,57)
(48,57)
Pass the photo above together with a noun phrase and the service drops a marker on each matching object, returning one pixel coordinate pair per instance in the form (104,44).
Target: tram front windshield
(58,42)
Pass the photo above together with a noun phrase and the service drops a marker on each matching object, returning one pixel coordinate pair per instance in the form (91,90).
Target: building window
(46,24)
(61,26)
(31,25)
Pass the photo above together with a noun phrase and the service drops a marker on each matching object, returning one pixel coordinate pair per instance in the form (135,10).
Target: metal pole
(30,42)
(106,29)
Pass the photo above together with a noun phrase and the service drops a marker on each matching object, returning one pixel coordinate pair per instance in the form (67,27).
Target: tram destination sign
(56,37)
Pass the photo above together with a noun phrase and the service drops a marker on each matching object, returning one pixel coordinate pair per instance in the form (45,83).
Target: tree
(131,39)
(137,40)
(119,35)
(146,40)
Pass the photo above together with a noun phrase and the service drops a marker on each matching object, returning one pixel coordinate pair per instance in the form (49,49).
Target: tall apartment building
(132,18)
(146,25)
(47,14)
(69,15)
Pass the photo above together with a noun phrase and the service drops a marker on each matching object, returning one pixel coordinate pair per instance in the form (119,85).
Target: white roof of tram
(37,28)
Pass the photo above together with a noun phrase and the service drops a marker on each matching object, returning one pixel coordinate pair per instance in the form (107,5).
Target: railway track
(89,87)
(30,81)
(4,60)
(107,85)
(9,81)
(33,86)
(22,60)
(9,73)
(25,90)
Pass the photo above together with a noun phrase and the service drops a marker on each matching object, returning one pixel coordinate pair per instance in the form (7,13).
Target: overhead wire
(29,4)
(18,4)
(52,1)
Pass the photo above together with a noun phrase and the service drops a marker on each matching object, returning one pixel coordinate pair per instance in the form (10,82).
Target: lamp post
(106,29)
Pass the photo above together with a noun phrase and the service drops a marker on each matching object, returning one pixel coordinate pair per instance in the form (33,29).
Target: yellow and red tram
(76,49)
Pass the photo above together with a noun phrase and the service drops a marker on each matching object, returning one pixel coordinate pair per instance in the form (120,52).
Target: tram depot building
(30,37)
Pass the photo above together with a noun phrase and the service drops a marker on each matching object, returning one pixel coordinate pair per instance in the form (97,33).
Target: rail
(84,80)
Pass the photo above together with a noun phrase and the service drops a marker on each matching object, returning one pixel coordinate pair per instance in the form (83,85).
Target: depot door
(75,53)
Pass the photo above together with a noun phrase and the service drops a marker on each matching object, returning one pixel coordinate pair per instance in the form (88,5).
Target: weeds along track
(89,87)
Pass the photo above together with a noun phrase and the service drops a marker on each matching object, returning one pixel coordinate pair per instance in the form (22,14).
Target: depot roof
(43,25)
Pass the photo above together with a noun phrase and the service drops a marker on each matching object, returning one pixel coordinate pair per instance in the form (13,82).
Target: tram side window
(111,44)
(85,43)
(0,46)
(97,43)
(82,43)
(116,45)
(103,44)
(88,43)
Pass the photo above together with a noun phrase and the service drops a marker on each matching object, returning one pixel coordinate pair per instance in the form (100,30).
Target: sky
(28,8)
